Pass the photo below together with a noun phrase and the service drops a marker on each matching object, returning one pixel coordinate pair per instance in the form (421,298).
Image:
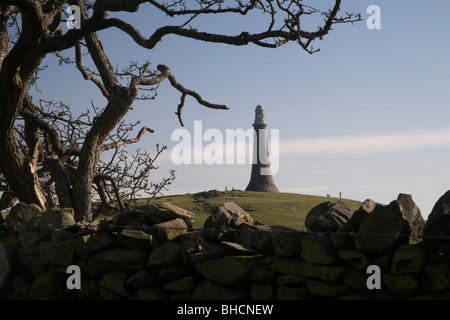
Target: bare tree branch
(129,141)
(86,75)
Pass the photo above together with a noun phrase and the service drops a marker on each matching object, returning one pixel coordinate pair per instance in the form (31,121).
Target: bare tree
(30,29)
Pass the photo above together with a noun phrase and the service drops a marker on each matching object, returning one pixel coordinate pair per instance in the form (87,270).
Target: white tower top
(259,116)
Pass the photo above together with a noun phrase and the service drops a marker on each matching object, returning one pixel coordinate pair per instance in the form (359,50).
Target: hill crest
(271,208)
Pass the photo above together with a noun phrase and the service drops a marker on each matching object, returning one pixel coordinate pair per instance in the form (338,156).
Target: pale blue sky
(374,84)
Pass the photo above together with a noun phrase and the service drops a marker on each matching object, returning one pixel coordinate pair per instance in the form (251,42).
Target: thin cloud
(366,144)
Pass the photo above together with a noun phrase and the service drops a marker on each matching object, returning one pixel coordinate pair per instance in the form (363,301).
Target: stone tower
(261,180)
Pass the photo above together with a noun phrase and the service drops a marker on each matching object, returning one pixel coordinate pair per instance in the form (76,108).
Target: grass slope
(286,209)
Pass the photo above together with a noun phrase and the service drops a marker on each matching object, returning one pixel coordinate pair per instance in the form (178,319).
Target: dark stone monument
(261,178)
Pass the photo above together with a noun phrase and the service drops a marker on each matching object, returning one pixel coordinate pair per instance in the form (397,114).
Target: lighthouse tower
(261,180)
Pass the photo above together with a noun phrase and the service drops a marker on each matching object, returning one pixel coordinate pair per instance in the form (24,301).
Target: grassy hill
(287,209)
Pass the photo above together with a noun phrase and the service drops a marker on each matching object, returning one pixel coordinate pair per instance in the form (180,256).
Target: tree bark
(18,168)
(118,105)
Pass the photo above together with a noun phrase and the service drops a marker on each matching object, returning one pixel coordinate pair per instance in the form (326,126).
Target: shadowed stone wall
(152,252)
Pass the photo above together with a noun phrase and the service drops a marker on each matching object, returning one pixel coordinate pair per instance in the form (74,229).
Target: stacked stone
(153,252)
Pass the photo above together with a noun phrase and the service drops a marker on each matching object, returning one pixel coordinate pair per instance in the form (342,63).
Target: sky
(367,116)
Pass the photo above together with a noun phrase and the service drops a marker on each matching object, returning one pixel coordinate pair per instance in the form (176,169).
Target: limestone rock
(136,239)
(318,249)
(301,268)
(286,242)
(29,238)
(166,255)
(141,279)
(23,214)
(438,224)
(227,215)
(356,280)
(173,273)
(61,254)
(115,281)
(194,247)
(346,241)
(155,213)
(7,200)
(401,217)
(328,216)
(57,219)
(408,259)
(257,236)
(356,258)
(59,235)
(101,241)
(117,259)
(228,270)
(36,259)
(169,230)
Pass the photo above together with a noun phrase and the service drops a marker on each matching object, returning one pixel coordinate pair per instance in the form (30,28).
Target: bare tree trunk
(17,66)
(118,105)
(17,167)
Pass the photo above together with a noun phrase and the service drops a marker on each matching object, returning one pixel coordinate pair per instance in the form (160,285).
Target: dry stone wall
(152,252)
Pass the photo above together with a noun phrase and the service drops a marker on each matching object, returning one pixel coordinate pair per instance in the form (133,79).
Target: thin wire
(271,231)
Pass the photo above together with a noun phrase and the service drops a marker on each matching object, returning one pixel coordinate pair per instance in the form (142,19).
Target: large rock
(29,238)
(166,255)
(194,247)
(7,199)
(169,230)
(286,241)
(328,216)
(408,259)
(342,239)
(136,239)
(36,260)
(155,213)
(115,281)
(356,258)
(117,259)
(23,215)
(228,270)
(258,236)
(61,254)
(57,219)
(318,249)
(438,224)
(394,223)
(141,279)
(226,216)
(301,268)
